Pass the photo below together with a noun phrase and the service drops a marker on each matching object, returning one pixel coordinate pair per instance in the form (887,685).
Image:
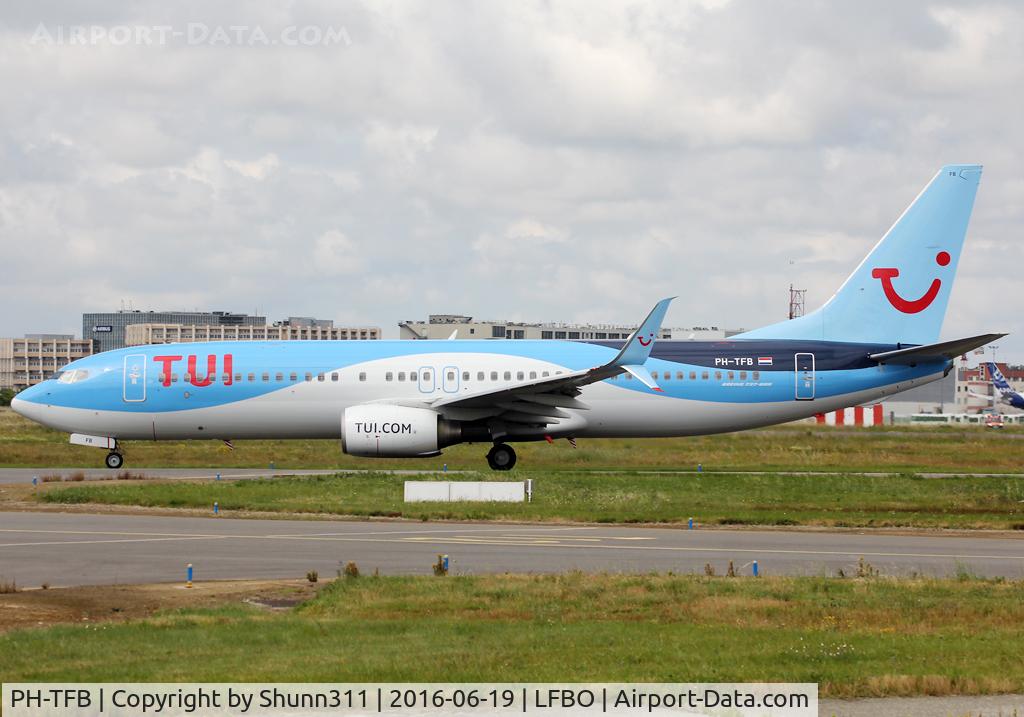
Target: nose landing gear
(501,457)
(114,460)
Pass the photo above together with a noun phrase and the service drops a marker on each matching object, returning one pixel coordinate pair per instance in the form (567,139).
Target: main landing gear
(114,460)
(501,457)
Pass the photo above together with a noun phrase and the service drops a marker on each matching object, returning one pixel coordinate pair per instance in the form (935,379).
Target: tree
(6,394)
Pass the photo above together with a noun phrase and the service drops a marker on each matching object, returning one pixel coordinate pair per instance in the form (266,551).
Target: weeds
(865,569)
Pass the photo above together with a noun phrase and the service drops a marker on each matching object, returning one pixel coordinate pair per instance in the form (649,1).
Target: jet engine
(389,431)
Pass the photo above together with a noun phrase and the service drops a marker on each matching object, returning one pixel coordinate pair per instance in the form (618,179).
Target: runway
(76,549)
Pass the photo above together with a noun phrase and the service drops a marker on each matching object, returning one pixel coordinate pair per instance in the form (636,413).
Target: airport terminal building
(443,326)
(107,329)
(292,329)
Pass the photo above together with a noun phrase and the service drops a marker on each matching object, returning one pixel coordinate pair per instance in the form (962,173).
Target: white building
(296,328)
(33,359)
(442,326)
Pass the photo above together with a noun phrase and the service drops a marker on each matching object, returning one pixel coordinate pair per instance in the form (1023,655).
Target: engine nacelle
(386,431)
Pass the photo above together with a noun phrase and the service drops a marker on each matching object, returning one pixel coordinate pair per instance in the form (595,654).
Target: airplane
(1002,388)
(876,336)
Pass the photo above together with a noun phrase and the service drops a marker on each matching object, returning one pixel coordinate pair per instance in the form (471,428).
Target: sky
(565,161)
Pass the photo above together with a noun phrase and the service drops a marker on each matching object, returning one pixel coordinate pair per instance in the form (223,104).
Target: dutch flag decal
(764,360)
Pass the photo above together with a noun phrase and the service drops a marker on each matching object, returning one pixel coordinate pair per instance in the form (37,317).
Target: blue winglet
(638,345)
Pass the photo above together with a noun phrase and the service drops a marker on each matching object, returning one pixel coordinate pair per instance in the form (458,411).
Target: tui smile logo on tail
(650,338)
(909,306)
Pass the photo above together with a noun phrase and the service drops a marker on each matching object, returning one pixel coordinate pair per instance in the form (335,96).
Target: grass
(853,637)
(710,498)
(801,446)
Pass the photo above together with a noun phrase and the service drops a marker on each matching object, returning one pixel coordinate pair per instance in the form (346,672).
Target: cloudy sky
(527,160)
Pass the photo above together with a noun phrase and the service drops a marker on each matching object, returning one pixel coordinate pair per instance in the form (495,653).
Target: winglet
(638,346)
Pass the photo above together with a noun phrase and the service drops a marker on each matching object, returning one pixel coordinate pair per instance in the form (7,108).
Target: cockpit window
(72,376)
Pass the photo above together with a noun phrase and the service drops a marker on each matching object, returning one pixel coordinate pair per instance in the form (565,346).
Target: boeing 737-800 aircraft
(875,337)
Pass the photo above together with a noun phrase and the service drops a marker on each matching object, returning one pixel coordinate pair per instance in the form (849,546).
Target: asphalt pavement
(82,548)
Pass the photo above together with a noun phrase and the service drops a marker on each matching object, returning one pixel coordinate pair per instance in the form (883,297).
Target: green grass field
(710,498)
(969,449)
(855,637)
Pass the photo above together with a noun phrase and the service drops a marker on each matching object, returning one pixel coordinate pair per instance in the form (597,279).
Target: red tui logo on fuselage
(211,369)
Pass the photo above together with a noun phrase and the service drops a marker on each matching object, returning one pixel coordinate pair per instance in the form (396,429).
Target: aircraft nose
(26,403)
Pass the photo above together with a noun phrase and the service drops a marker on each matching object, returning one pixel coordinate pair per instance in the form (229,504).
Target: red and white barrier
(854,416)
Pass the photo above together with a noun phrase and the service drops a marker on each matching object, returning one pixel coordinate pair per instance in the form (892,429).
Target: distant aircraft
(1002,387)
(875,337)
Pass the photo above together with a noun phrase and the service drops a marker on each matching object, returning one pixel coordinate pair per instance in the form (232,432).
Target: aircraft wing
(540,402)
(934,352)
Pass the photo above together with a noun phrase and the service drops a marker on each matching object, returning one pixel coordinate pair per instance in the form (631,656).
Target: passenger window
(362,375)
(426,376)
(519,376)
(252,377)
(757,375)
(668,375)
(704,375)
(479,375)
(163,378)
(545,374)
(718,375)
(319,377)
(533,374)
(401,375)
(412,375)
(731,375)
(508,375)
(693,376)
(680,375)
(187,378)
(465,375)
(174,378)
(226,378)
(334,377)
(389,376)
(238,378)
(309,376)
(293,377)
(743,375)
(494,375)
(279,376)
(265,377)
(451,375)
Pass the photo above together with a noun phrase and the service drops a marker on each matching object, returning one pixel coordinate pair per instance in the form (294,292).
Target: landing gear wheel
(501,457)
(114,460)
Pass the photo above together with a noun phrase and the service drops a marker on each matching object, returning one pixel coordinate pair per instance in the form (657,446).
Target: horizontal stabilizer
(934,352)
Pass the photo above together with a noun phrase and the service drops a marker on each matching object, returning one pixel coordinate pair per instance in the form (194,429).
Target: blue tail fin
(899,293)
(1000,382)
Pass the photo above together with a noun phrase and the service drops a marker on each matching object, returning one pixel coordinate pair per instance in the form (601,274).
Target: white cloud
(336,254)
